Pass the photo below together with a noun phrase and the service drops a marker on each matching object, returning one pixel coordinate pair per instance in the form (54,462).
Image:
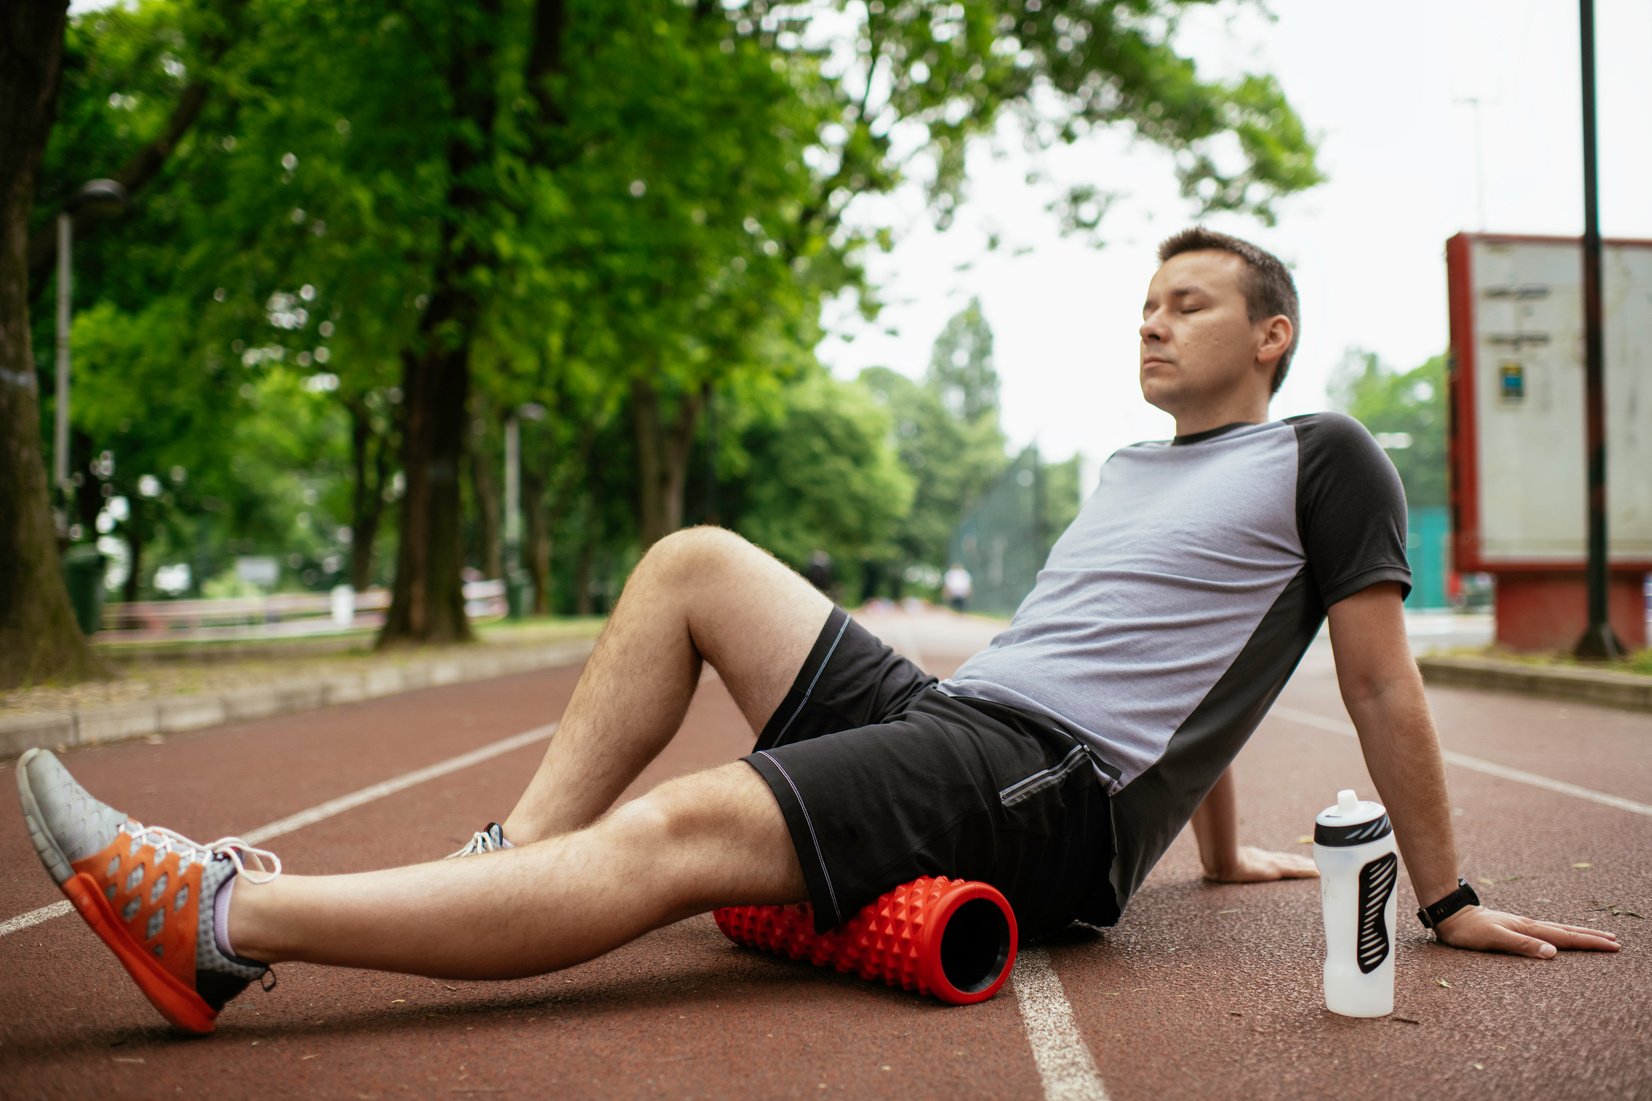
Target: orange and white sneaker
(148,892)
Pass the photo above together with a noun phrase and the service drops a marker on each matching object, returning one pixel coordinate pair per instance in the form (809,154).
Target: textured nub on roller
(951,938)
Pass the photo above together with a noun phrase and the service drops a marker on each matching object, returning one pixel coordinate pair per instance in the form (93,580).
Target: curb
(174,714)
(1625,691)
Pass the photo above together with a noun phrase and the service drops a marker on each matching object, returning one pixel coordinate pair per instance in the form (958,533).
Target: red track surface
(1207,991)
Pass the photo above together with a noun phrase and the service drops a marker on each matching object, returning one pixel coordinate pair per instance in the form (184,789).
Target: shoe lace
(482,841)
(232,848)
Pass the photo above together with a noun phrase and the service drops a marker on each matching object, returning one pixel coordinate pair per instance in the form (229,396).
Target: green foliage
(961,369)
(1406,411)
(663,214)
(819,473)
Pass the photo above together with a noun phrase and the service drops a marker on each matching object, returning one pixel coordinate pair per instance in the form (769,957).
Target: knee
(696,554)
(672,814)
(665,833)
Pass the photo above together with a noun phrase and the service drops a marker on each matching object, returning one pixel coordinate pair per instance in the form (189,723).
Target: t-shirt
(1173,610)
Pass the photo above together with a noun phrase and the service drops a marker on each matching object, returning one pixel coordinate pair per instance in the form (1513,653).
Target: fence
(282,615)
(1004,539)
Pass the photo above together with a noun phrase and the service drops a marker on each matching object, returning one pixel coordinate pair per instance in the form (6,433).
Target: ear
(1276,333)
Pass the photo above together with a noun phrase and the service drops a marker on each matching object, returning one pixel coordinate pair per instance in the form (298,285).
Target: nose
(1152,331)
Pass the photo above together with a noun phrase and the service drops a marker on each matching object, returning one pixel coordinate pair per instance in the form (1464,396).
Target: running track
(1208,991)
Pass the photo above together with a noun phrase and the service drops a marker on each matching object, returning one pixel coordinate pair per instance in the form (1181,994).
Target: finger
(1604,934)
(1504,939)
(1573,937)
(1299,867)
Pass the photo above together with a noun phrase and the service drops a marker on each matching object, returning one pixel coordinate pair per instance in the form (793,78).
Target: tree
(951,460)
(1406,411)
(817,472)
(38,635)
(641,205)
(961,370)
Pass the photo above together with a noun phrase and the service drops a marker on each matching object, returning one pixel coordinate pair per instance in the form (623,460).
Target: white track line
(333,807)
(34,917)
(1064,1063)
(1065,1066)
(1477,764)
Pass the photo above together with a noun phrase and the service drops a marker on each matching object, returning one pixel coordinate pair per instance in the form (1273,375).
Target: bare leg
(698,595)
(709,839)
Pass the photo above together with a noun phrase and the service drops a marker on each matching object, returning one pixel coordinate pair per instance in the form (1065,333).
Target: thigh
(849,679)
(749,615)
(944,789)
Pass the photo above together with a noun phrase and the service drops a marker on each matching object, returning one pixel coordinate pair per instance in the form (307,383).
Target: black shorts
(883,778)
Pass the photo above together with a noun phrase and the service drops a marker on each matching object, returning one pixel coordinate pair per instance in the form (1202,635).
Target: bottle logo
(1376,883)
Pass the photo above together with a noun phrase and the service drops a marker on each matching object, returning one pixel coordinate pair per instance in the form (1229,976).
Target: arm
(1216,826)
(1384,694)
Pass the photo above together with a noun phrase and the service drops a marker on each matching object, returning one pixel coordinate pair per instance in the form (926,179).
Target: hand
(1480,929)
(1253,865)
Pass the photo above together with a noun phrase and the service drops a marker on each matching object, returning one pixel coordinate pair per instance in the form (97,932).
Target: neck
(1203,420)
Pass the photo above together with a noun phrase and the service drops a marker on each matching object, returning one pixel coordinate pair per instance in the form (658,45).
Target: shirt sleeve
(1351,510)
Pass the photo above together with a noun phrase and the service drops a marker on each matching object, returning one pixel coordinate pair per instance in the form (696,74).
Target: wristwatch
(1464,895)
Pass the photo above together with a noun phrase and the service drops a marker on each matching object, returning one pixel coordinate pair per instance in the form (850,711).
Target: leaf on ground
(1583,864)
(1444,983)
(1305,839)
(1405,1020)
(1615,910)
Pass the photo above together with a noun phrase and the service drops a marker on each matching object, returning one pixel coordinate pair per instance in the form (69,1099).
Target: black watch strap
(1464,895)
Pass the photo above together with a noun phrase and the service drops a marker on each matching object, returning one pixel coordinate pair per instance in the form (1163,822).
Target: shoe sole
(176,1002)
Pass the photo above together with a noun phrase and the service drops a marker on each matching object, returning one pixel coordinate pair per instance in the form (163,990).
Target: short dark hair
(1267,286)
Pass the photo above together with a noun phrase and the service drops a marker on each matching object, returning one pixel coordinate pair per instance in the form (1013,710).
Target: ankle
(242,929)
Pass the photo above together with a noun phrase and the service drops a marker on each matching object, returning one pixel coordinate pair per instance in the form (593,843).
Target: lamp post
(93,192)
(1599,641)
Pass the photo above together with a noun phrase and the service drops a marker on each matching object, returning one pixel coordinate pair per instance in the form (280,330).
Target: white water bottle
(1358,870)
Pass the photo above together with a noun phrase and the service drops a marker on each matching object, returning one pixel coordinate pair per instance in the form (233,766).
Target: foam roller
(952,938)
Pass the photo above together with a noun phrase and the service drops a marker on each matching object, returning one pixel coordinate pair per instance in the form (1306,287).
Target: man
(1057,764)
(957,586)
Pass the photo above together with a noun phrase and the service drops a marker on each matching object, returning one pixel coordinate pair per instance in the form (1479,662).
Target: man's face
(1198,347)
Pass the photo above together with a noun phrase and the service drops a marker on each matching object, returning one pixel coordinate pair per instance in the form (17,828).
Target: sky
(1432,117)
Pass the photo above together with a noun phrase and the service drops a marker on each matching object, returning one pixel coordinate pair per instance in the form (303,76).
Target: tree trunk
(486,491)
(427,603)
(136,540)
(663,450)
(38,635)
(536,552)
(582,573)
(370,458)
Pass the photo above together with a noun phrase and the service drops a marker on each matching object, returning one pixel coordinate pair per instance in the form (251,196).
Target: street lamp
(94,193)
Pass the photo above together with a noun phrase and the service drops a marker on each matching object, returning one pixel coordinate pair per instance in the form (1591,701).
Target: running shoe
(148,892)
(489,840)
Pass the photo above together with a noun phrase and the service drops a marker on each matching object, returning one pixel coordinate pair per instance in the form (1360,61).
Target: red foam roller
(952,938)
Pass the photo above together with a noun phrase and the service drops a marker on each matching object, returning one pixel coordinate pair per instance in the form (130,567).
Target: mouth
(1154,361)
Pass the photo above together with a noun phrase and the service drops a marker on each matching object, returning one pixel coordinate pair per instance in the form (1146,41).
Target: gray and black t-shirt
(1173,610)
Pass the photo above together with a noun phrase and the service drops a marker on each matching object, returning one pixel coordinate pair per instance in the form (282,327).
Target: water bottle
(1358,870)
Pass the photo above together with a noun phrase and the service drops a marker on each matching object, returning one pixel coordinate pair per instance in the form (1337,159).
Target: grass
(1638,662)
(147,671)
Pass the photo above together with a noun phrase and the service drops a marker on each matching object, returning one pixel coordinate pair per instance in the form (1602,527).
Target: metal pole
(1598,642)
(60,434)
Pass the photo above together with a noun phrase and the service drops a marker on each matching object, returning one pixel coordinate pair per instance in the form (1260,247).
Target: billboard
(1518,481)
